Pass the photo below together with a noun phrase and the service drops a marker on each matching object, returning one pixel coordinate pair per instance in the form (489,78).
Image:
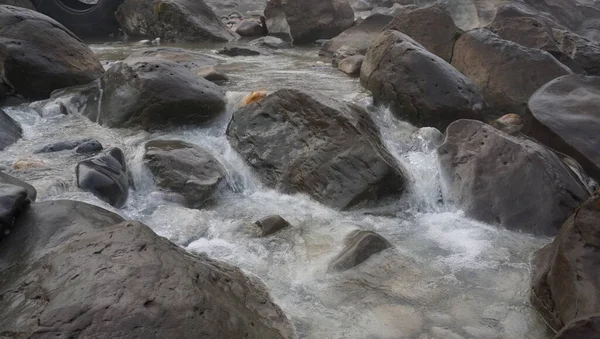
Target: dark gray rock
(272,224)
(106,176)
(184,168)
(80,146)
(69,269)
(359,246)
(508,181)
(148,92)
(584,327)
(9,180)
(238,51)
(192,60)
(213,75)
(432,27)
(18,3)
(250,28)
(358,37)
(564,116)
(270,42)
(507,73)
(89,146)
(172,20)
(565,284)
(305,21)
(10,130)
(418,85)
(351,65)
(13,199)
(299,143)
(38,55)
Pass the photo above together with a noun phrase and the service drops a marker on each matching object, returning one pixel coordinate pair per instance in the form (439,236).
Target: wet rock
(343,53)
(351,65)
(505,180)
(13,199)
(184,168)
(305,21)
(148,92)
(192,60)
(10,130)
(239,51)
(426,139)
(509,123)
(106,176)
(89,146)
(250,28)
(272,224)
(327,149)
(172,20)
(18,3)
(359,246)
(507,73)
(358,37)
(73,258)
(564,116)
(565,282)
(270,42)
(213,75)
(81,146)
(34,65)
(432,27)
(10,180)
(418,85)
(585,327)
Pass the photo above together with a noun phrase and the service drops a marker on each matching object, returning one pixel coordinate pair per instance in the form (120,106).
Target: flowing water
(446,277)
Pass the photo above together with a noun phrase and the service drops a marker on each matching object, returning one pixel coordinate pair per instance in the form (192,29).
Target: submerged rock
(272,224)
(565,116)
(106,176)
(359,246)
(305,21)
(418,85)
(299,143)
(172,20)
(192,60)
(38,55)
(505,180)
(184,168)
(76,270)
(565,283)
(239,51)
(80,146)
(89,146)
(10,130)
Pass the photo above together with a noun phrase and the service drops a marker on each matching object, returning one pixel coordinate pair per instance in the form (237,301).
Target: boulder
(106,176)
(9,180)
(329,150)
(564,116)
(18,3)
(33,65)
(507,73)
(184,168)
(75,270)
(148,92)
(565,283)
(358,37)
(250,28)
(352,65)
(10,130)
(359,246)
(305,21)
(172,20)
(270,42)
(585,53)
(89,146)
(81,146)
(585,327)
(192,60)
(343,53)
(272,224)
(505,180)
(431,26)
(418,85)
(213,75)
(238,51)
(13,200)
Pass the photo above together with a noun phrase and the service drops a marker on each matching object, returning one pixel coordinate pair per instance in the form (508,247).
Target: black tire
(86,21)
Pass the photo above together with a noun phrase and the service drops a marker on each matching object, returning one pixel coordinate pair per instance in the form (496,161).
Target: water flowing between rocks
(447,275)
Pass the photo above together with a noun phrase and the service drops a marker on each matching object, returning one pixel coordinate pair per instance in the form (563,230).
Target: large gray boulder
(10,130)
(172,20)
(183,168)
(305,21)
(299,143)
(358,37)
(148,92)
(565,282)
(583,327)
(506,180)
(69,269)
(10,180)
(38,55)
(564,116)
(418,85)
(431,26)
(106,176)
(507,73)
